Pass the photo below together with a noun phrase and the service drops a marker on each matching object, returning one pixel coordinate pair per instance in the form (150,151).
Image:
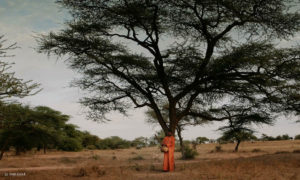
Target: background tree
(11,86)
(240,118)
(139,142)
(53,123)
(157,138)
(265,137)
(283,137)
(114,142)
(201,140)
(25,128)
(203,65)
(17,128)
(90,141)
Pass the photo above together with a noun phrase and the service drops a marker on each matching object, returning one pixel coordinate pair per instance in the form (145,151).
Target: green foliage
(189,153)
(70,144)
(218,148)
(138,157)
(10,85)
(265,137)
(126,64)
(283,137)
(24,128)
(96,157)
(240,118)
(297,137)
(201,140)
(113,142)
(231,136)
(178,147)
(89,141)
(139,142)
(256,150)
(157,138)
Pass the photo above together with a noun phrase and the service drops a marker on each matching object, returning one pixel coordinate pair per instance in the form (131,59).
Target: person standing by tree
(169,142)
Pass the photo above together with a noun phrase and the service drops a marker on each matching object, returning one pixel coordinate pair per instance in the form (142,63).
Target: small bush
(218,148)
(82,172)
(281,152)
(189,153)
(99,171)
(152,167)
(70,144)
(138,147)
(67,160)
(296,151)
(91,147)
(256,150)
(113,142)
(137,167)
(139,157)
(96,157)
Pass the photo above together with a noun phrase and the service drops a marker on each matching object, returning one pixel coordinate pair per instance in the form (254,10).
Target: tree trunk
(2,152)
(3,149)
(45,147)
(160,119)
(180,141)
(237,146)
(38,148)
(18,151)
(173,118)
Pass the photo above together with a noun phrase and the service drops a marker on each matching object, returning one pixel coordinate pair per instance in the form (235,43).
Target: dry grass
(257,160)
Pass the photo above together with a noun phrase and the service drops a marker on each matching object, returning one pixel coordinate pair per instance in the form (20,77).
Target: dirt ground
(255,160)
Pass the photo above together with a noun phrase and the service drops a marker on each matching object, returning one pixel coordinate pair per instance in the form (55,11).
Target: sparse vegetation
(67,165)
(189,153)
(256,150)
(137,158)
(96,157)
(297,137)
(296,151)
(218,148)
(183,62)
(265,137)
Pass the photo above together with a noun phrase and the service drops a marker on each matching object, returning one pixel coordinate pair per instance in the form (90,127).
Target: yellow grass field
(274,160)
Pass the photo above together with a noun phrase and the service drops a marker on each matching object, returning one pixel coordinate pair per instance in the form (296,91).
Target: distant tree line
(265,137)
(24,128)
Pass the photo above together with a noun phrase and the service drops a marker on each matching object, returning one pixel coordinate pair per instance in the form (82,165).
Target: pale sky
(21,20)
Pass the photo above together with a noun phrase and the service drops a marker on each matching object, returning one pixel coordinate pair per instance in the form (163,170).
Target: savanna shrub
(189,153)
(218,148)
(70,144)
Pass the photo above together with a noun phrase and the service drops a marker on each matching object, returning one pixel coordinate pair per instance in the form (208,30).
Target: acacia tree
(240,119)
(11,86)
(188,56)
(24,127)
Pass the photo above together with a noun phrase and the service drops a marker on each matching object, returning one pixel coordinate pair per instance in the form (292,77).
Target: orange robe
(169,141)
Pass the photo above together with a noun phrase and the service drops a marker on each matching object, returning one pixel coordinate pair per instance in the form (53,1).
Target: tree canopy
(239,122)
(192,54)
(10,85)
